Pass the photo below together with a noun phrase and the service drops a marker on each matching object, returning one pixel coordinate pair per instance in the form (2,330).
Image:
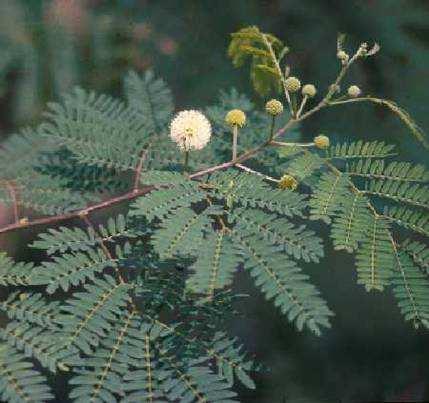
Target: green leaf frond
(71,269)
(265,51)
(230,361)
(48,195)
(20,381)
(297,241)
(352,222)
(39,342)
(375,256)
(31,308)
(89,316)
(196,384)
(161,202)
(62,165)
(152,98)
(216,263)
(14,273)
(251,191)
(411,289)
(21,152)
(98,130)
(304,165)
(419,253)
(401,192)
(328,196)
(396,170)
(281,280)
(181,232)
(98,377)
(76,239)
(410,218)
(361,149)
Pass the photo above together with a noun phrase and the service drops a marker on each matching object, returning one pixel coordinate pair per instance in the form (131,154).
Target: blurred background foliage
(47,47)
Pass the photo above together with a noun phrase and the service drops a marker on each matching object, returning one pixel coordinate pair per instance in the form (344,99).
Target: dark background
(46,47)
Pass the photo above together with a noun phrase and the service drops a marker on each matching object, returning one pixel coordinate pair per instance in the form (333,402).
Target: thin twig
(279,70)
(139,168)
(14,197)
(283,144)
(301,108)
(250,170)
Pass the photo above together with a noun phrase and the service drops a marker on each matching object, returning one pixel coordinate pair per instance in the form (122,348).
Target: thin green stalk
(186,162)
(273,121)
(234,142)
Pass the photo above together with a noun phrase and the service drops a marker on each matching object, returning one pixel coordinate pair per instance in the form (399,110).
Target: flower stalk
(186,162)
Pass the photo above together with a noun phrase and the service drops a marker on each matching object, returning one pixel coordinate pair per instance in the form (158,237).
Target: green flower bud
(292,84)
(274,107)
(309,90)
(354,91)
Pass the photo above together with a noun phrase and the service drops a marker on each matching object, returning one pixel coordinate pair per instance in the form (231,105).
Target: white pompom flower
(191,130)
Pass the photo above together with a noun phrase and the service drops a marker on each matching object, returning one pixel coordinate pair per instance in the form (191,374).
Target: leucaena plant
(144,216)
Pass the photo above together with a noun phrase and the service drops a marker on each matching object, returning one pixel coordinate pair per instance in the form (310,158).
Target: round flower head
(292,84)
(190,130)
(309,90)
(343,56)
(274,107)
(236,117)
(354,91)
(288,182)
(321,141)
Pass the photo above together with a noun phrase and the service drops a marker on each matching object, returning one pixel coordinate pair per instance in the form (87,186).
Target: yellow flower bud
(236,117)
(309,90)
(292,84)
(321,141)
(354,91)
(288,182)
(274,107)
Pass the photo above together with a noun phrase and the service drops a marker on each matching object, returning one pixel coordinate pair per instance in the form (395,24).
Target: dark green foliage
(76,239)
(351,223)
(411,289)
(296,241)
(328,196)
(31,308)
(71,269)
(12,273)
(89,316)
(216,263)
(252,192)
(20,381)
(359,149)
(281,280)
(152,98)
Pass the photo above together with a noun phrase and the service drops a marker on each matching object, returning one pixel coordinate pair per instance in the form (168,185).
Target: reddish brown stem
(62,217)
